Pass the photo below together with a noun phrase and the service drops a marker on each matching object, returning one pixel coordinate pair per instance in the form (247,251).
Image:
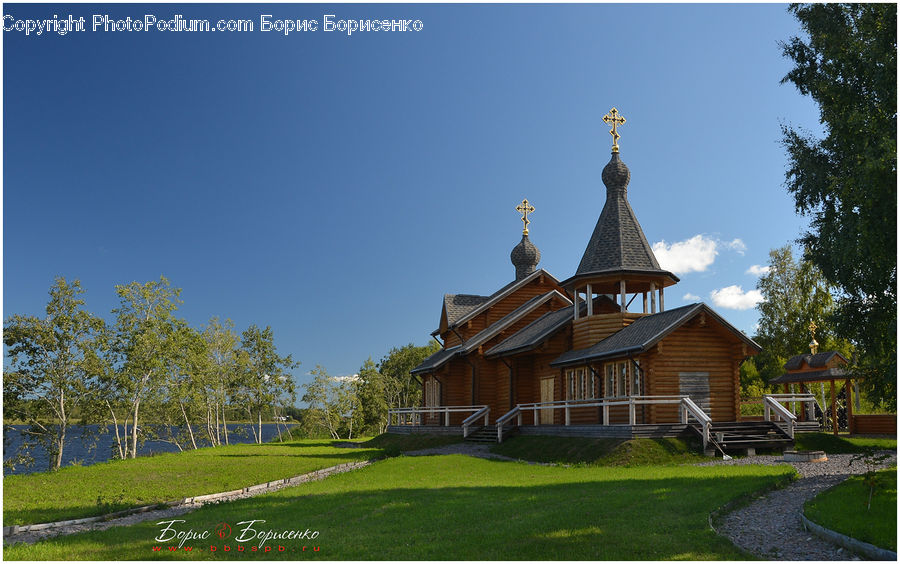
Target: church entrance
(547,396)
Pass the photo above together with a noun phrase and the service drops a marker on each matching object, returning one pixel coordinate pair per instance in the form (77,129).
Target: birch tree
(53,368)
(142,347)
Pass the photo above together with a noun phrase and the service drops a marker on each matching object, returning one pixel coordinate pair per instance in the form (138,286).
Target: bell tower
(618,261)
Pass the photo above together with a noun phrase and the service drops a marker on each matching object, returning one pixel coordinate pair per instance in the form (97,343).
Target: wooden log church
(597,354)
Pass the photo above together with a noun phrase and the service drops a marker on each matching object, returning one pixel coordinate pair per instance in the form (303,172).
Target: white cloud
(689,297)
(736,245)
(757,270)
(734,297)
(692,255)
(695,254)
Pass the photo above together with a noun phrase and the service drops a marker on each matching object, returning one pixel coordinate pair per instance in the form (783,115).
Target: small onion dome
(615,174)
(525,257)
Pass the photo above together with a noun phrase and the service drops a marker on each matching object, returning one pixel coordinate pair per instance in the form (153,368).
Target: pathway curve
(770,526)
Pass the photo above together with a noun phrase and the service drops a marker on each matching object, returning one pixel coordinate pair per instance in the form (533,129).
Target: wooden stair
(488,434)
(748,434)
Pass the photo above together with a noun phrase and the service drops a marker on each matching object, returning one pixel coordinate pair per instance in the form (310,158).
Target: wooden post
(645,302)
(605,413)
(519,418)
(662,303)
(652,297)
(622,307)
(849,389)
(447,417)
(576,303)
(631,415)
(568,415)
(590,301)
(834,421)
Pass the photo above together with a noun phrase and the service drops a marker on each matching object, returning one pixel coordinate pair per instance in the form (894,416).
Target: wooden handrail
(400,412)
(501,421)
(689,407)
(772,406)
(483,412)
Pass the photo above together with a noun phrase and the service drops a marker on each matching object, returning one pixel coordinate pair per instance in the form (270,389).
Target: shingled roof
(509,319)
(643,333)
(812,376)
(439,358)
(817,360)
(534,333)
(458,305)
(539,330)
(485,302)
(618,242)
(435,361)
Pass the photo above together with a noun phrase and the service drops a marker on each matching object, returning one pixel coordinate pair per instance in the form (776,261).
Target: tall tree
(266,381)
(53,369)
(221,344)
(402,389)
(847,180)
(143,347)
(795,294)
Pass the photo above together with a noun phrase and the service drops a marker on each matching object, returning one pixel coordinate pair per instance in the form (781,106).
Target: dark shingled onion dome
(525,257)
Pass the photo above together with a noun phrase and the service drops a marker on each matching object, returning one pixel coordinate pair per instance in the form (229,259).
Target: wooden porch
(777,425)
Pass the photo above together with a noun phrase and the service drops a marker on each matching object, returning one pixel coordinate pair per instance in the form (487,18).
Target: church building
(595,354)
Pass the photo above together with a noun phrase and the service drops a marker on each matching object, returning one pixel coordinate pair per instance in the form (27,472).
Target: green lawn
(459,507)
(841,444)
(843,509)
(74,492)
(602,452)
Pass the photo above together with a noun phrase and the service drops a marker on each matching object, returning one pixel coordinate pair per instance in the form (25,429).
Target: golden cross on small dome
(525,208)
(614,119)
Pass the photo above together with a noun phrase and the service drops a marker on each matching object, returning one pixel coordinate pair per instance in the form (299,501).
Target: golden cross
(613,118)
(525,208)
(813,345)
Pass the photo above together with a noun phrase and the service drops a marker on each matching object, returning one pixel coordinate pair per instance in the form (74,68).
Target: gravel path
(770,526)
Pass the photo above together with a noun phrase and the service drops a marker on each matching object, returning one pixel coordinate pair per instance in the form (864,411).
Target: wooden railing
(688,409)
(485,412)
(502,421)
(413,415)
(774,409)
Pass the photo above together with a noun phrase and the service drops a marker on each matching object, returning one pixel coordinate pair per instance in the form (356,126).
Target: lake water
(238,433)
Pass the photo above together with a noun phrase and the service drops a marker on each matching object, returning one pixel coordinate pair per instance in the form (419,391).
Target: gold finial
(525,208)
(813,345)
(614,119)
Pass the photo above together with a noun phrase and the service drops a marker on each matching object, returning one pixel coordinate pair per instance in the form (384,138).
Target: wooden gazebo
(829,366)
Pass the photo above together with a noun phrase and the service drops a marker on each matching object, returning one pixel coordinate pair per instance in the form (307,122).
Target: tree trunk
(218,439)
(188,423)
(259,418)
(134,429)
(252,426)
(61,433)
(116,427)
(225,425)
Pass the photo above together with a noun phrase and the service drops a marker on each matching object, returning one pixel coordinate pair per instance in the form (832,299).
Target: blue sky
(335,187)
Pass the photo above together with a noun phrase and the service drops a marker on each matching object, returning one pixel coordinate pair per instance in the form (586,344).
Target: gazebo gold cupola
(618,262)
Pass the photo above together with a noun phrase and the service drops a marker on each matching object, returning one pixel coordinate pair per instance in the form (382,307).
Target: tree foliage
(54,368)
(847,181)
(795,294)
(265,382)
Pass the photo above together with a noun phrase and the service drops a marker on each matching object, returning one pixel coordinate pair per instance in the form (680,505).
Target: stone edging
(197,500)
(840,539)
